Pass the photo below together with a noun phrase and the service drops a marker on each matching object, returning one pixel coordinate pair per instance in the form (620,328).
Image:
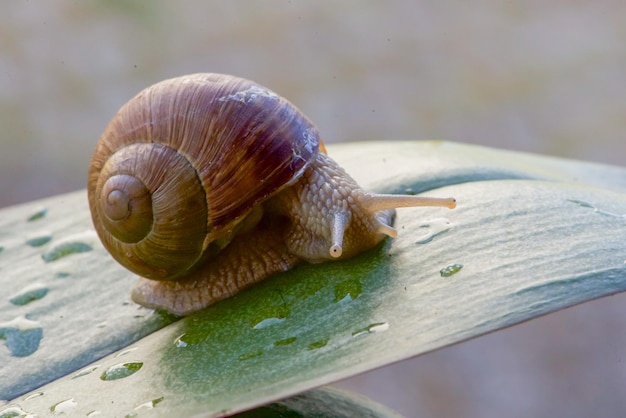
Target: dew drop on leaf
(29,294)
(37,215)
(63,407)
(448,271)
(39,240)
(120,371)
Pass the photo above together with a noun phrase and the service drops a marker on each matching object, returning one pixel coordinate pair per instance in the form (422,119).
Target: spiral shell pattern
(183,162)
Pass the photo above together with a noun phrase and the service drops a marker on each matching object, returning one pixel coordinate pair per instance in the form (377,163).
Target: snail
(207,183)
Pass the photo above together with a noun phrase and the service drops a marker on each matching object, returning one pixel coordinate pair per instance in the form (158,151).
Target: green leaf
(533,234)
(321,403)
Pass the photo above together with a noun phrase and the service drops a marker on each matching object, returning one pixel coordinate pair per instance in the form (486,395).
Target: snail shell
(207,183)
(170,181)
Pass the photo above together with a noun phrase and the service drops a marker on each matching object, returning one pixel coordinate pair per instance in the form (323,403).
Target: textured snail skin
(206,184)
(296,228)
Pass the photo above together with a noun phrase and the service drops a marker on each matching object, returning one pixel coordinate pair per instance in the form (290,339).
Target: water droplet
(86,371)
(14,411)
(150,405)
(128,351)
(1,248)
(22,336)
(451,269)
(191,338)
(271,314)
(597,210)
(120,371)
(37,215)
(63,407)
(348,291)
(435,227)
(581,203)
(29,294)
(65,249)
(180,342)
(78,243)
(286,341)
(250,355)
(95,413)
(318,344)
(372,328)
(33,395)
(38,241)
(267,322)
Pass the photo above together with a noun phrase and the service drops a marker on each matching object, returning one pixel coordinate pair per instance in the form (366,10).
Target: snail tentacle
(387,230)
(376,202)
(339,226)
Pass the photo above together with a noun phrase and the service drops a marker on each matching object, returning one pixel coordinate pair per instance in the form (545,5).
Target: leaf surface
(530,235)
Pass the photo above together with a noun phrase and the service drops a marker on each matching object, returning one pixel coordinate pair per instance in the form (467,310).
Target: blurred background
(538,76)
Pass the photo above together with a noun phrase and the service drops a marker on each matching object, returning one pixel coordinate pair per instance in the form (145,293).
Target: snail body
(205,184)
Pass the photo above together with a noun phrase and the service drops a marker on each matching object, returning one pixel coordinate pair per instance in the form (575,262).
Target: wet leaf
(533,235)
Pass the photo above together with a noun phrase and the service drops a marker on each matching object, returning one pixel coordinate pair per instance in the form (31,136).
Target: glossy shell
(181,164)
